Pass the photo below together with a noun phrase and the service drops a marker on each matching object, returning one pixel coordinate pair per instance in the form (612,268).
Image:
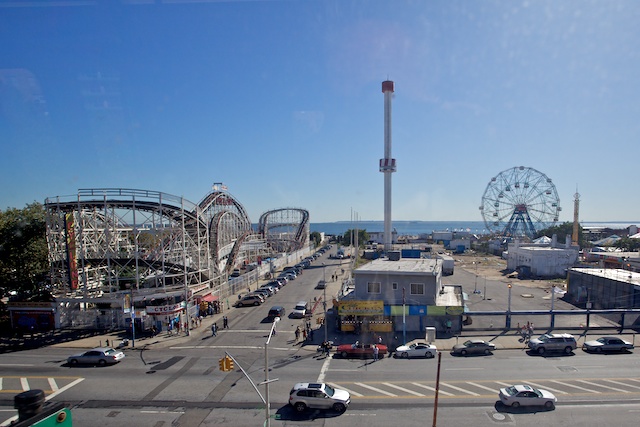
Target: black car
(276,311)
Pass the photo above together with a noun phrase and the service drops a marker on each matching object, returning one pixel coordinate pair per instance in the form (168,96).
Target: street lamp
(324,302)
(509,308)
(266,373)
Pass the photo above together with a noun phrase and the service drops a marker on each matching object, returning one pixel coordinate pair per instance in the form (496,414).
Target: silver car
(98,356)
(318,396)
(525,395)
(607,344)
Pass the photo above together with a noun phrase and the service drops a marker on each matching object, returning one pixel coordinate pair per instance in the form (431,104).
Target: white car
(318,396)
(300,310)
(417,349)
(525,395)
(97,356)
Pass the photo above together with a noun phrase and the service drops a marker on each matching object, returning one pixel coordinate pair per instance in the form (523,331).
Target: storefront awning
(210,298)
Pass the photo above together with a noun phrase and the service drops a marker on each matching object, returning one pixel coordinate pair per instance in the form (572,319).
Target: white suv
(318,396)
(553,342)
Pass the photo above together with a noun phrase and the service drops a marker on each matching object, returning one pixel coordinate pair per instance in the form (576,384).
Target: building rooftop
(618,274)
(402,266)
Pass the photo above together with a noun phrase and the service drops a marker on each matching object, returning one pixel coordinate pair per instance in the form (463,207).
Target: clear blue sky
(282,101)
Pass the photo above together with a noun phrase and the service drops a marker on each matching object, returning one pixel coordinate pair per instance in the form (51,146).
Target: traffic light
(223,364)
(230,366)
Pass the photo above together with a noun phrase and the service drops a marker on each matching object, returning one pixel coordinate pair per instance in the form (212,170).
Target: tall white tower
(387,164)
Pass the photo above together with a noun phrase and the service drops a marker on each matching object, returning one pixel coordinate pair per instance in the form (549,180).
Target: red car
(360,350)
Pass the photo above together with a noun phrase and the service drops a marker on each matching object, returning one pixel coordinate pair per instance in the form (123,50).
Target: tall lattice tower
(576,223)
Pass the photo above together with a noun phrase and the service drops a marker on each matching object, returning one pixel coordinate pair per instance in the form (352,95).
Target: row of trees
(24,263)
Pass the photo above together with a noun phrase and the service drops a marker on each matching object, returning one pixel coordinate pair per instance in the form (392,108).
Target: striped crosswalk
(18,384)
(488,388)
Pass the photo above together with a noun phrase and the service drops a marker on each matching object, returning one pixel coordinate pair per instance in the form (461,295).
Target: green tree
(23,248)
(562,231)
(363,237)
(315,238)
(628,245)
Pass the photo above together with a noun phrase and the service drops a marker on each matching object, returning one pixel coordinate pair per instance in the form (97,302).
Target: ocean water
(427,227)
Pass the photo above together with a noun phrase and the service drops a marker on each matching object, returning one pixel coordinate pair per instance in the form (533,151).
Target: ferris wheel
(520,202)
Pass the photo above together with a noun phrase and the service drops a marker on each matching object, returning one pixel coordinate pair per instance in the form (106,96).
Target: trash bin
(430,335)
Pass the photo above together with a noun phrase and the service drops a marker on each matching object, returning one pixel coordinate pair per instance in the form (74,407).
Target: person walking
(225,322)
(376,350)
(297,333)
(214,329)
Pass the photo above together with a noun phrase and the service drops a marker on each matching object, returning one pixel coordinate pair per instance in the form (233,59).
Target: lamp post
(509,308)
(267,408)
(324,302)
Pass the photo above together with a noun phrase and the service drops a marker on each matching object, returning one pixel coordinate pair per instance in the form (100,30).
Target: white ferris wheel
(520,202)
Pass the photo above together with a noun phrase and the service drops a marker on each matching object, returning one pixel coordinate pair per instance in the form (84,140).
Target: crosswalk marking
(576,386)
(415,393)
(376,389)
(24,383)
(622,384)
(481,386)
(602,385)
(433,389)
(459,389)
(52,384)
(546,387)
(354,393)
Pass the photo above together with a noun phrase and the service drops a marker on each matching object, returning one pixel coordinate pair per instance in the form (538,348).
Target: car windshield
(511,390)
(329,390)
(601,340)
(110,351)
(467,343)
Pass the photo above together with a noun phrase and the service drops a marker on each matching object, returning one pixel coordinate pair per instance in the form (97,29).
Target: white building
(542,260)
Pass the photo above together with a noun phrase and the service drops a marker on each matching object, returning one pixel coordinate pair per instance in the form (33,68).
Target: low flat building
(401,295)
(542,260)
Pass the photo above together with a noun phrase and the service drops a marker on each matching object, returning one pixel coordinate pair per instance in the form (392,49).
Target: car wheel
(515,405)
(568,350)
(344,354)
(487,352)
(428,355)
(73,362)
(541,350)
(339,407)
(256,303)
(463,352)
(599,350)
(548,404)
(300,407)
(404,355)
(102,362)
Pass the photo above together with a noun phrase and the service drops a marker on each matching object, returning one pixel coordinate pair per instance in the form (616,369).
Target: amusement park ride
(520,202)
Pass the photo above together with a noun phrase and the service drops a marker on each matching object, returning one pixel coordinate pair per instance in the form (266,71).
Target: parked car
(98,356)
(261,291)
(248,300)
(318,396)
(473,347)
(603,344)
(300,310)
(271,289)
(321,284)
(553,342)
(525,395)
(360,350)
(276,311)
(276,284)
(418,349)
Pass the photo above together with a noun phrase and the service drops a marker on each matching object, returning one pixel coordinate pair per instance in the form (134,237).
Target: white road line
(397,387)
(24,383)
(376,389)
(52,384)
(464,369)
(459,389)
(623,384)
(355,393)
(482,386)
(0,383)
(433,389)
(236,347)
(601,385)
(544,387)
(503,384)
(576,386)
(324,369)
(633,379)
(15,364)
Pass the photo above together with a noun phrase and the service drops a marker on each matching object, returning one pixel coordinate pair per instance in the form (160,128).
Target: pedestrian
(380,339)
(297,333)
(375,352)
(327,348)
(304,335)
(225,322)
(531,329)
(214,329)
(448,323)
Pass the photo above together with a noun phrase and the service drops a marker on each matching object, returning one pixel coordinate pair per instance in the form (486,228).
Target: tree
(316,238)
(363,237)
(23,248)
(561,231)
(628,245)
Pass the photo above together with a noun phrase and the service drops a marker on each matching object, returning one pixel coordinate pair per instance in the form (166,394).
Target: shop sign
(165,309)
(361,308)
(445,310)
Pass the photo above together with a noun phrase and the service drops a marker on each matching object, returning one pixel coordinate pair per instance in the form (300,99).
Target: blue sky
(282,102)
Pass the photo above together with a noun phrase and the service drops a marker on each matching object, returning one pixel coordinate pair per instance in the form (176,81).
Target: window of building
(373,288)
(394,286)
(417,289)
